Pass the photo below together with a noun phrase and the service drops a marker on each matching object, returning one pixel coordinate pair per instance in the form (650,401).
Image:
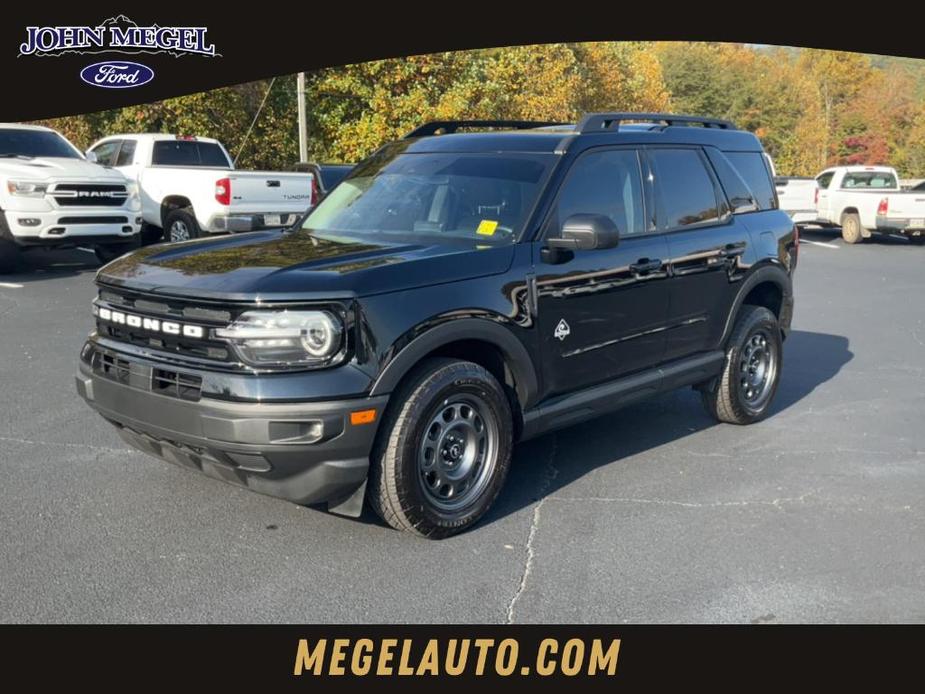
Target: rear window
(753,168)
(870,180)
(824,180)
(189,153)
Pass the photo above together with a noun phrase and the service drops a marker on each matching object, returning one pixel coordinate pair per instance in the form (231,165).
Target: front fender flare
(515,354)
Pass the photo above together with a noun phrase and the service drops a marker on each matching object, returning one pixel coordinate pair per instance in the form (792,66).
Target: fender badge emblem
(562,330)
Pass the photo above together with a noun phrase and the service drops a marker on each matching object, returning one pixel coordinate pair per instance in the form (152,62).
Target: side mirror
(586,232)
(91,157)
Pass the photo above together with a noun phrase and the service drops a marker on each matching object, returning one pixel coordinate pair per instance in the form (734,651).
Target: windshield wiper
(10,155)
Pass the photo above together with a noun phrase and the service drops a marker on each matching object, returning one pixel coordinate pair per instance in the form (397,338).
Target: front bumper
(305,452)
(60,227)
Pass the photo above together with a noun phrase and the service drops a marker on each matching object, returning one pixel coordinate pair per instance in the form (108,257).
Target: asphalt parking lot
(653,514)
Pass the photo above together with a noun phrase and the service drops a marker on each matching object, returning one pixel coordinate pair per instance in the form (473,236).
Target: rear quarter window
(753,168)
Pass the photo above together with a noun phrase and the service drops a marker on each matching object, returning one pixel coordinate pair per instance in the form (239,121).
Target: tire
(109,252)
(739,395)
(851,230)
(181,225)
(917,240)
(436,417)
(9,256)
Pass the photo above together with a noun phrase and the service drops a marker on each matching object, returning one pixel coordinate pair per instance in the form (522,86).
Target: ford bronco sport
(469,286)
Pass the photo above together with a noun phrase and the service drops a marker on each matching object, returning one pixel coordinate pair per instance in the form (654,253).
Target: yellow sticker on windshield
(487,227)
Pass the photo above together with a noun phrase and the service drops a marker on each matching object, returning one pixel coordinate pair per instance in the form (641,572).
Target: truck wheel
(109,252)
(443,451)
(743,392)
(9,256)
(181,225)
(851,230)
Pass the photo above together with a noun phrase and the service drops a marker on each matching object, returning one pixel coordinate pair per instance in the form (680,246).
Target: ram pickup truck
(864,200)
(190,188)
(52,197)
(797,197)
(456,293)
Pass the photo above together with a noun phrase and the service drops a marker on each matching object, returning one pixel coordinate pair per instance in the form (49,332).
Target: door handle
(644,266)
(732,250)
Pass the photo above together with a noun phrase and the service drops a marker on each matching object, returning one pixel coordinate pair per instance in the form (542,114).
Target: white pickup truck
(51,197)
(189,186)
(796,196)
(864,200)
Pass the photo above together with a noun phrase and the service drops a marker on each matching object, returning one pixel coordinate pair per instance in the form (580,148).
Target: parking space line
(10,285)
(819,243)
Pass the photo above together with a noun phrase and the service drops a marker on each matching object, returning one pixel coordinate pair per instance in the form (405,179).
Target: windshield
(432,197)
(35,143)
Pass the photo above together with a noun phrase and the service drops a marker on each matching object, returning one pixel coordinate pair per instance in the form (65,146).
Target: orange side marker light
(363,417)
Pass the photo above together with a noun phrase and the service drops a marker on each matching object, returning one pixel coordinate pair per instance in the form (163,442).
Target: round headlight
(319,336)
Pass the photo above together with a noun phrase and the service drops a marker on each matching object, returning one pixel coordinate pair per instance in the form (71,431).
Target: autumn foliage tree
(811,108)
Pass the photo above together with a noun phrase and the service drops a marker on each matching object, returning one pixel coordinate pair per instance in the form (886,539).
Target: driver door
(602,313)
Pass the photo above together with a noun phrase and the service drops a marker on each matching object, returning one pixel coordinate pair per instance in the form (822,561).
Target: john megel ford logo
(113,74)
(116,35)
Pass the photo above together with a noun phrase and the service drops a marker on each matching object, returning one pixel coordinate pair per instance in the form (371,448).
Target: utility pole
(303,136)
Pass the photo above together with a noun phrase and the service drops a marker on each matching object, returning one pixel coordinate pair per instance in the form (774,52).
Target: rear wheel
(851,230)
(443,451)
(181,225)
(742,394)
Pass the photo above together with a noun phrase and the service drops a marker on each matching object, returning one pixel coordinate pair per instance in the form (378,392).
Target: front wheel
(742,394)
(443,451)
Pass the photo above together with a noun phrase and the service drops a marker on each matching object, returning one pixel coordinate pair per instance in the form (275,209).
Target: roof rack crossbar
(451,126)
(595,122)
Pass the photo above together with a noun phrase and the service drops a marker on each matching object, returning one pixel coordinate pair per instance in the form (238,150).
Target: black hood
(290,265)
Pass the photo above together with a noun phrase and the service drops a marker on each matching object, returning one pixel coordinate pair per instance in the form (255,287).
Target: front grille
(157,380)
(93,220)
(175,384)
(89,195)
(113,368)
(159,310)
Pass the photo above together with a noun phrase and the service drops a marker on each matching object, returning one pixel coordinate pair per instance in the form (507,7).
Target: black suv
(474,284)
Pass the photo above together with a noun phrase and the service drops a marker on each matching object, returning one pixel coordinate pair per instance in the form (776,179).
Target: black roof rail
(451,126)
(595,122)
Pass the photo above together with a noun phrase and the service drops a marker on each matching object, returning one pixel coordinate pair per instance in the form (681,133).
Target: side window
(106,152)
(737,191)
(685,189)
(606,182)
(753,167)
(824,180)
(126,153)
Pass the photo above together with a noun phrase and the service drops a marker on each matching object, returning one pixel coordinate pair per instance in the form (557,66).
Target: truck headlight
(285,338)
(31,189)
(134,200)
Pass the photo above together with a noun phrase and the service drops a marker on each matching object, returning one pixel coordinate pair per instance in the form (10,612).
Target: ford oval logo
(117,74)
